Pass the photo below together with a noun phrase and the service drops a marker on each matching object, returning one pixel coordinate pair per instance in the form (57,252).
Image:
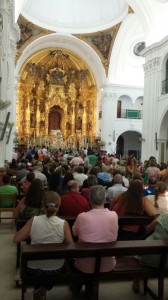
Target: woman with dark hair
(91,180)
(132,202)
(31,204)
(130,167)
(55,180)
(63,186)
(160,198)
(152,169)
(29,178)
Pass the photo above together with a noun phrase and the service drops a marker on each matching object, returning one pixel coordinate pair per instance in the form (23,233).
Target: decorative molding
(108,96)
(13,47)
(151,65)
(102,42)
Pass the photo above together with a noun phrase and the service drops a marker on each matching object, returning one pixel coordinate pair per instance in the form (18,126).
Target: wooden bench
(122,220)
(127,268)
(8,209)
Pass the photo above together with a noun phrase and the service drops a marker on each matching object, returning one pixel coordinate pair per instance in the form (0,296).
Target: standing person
(99,225)
(46,229)
(130,167)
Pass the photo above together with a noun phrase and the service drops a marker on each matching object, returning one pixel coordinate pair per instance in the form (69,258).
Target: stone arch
(129,142)
(71,43)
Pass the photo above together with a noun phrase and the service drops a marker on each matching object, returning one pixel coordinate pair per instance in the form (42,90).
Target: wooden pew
(122,220)
(127,268)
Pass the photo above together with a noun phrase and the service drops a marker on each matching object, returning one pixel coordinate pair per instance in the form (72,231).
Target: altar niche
(57,96)
(54,121)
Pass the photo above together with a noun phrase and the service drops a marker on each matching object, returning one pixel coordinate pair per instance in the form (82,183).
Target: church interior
(82,74)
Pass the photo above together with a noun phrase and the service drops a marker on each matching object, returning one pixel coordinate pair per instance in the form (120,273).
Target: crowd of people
(53,186)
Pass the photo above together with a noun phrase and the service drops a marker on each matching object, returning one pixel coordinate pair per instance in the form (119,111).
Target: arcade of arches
(56,100)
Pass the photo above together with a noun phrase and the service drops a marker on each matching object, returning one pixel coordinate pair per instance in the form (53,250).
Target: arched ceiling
(73,16)
(61,61)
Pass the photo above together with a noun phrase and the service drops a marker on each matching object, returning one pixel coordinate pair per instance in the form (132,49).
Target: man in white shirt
(117,188)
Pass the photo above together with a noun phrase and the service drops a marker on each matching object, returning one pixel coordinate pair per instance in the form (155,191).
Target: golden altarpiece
(56,102)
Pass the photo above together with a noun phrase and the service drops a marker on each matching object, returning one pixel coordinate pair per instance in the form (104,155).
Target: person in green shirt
(92,159)
(7,189)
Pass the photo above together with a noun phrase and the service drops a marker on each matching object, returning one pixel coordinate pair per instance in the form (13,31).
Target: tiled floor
(8,289)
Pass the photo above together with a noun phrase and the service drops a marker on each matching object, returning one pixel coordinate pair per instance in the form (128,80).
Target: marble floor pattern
(9,290)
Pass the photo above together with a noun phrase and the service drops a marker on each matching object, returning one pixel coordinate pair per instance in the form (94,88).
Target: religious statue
(56,76)
(42,72)
(32,68)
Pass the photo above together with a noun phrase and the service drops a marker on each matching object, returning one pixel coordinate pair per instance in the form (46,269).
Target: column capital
(152,65)
(108,96)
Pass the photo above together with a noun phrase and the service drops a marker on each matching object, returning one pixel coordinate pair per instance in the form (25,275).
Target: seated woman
(99,225)
(29,178)
(45,229)
(160,199)
(132,202)
(31,204)
(91,181)
(158,230)
(63,186)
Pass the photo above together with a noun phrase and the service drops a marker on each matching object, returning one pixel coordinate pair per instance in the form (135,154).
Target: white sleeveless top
(44,231)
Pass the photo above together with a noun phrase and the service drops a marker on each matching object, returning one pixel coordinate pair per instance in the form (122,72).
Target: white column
(109,109)
(150,124)
(9,35)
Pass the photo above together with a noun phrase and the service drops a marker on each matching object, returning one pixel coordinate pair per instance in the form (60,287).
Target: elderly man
(99,225)
(39,175)
(117,188)
(72,203)
(21,172)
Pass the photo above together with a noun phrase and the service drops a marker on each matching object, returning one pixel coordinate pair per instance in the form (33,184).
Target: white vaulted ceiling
(74,16)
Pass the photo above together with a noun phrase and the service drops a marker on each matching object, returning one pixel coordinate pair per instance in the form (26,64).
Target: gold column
(64,125)
(27,116)
(73,119)
(46,133)
(84,121)
(37,118)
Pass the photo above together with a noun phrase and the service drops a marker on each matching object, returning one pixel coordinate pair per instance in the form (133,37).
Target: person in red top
(72,203)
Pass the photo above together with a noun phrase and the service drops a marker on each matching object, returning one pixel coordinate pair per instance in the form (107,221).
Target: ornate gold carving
(58,82)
